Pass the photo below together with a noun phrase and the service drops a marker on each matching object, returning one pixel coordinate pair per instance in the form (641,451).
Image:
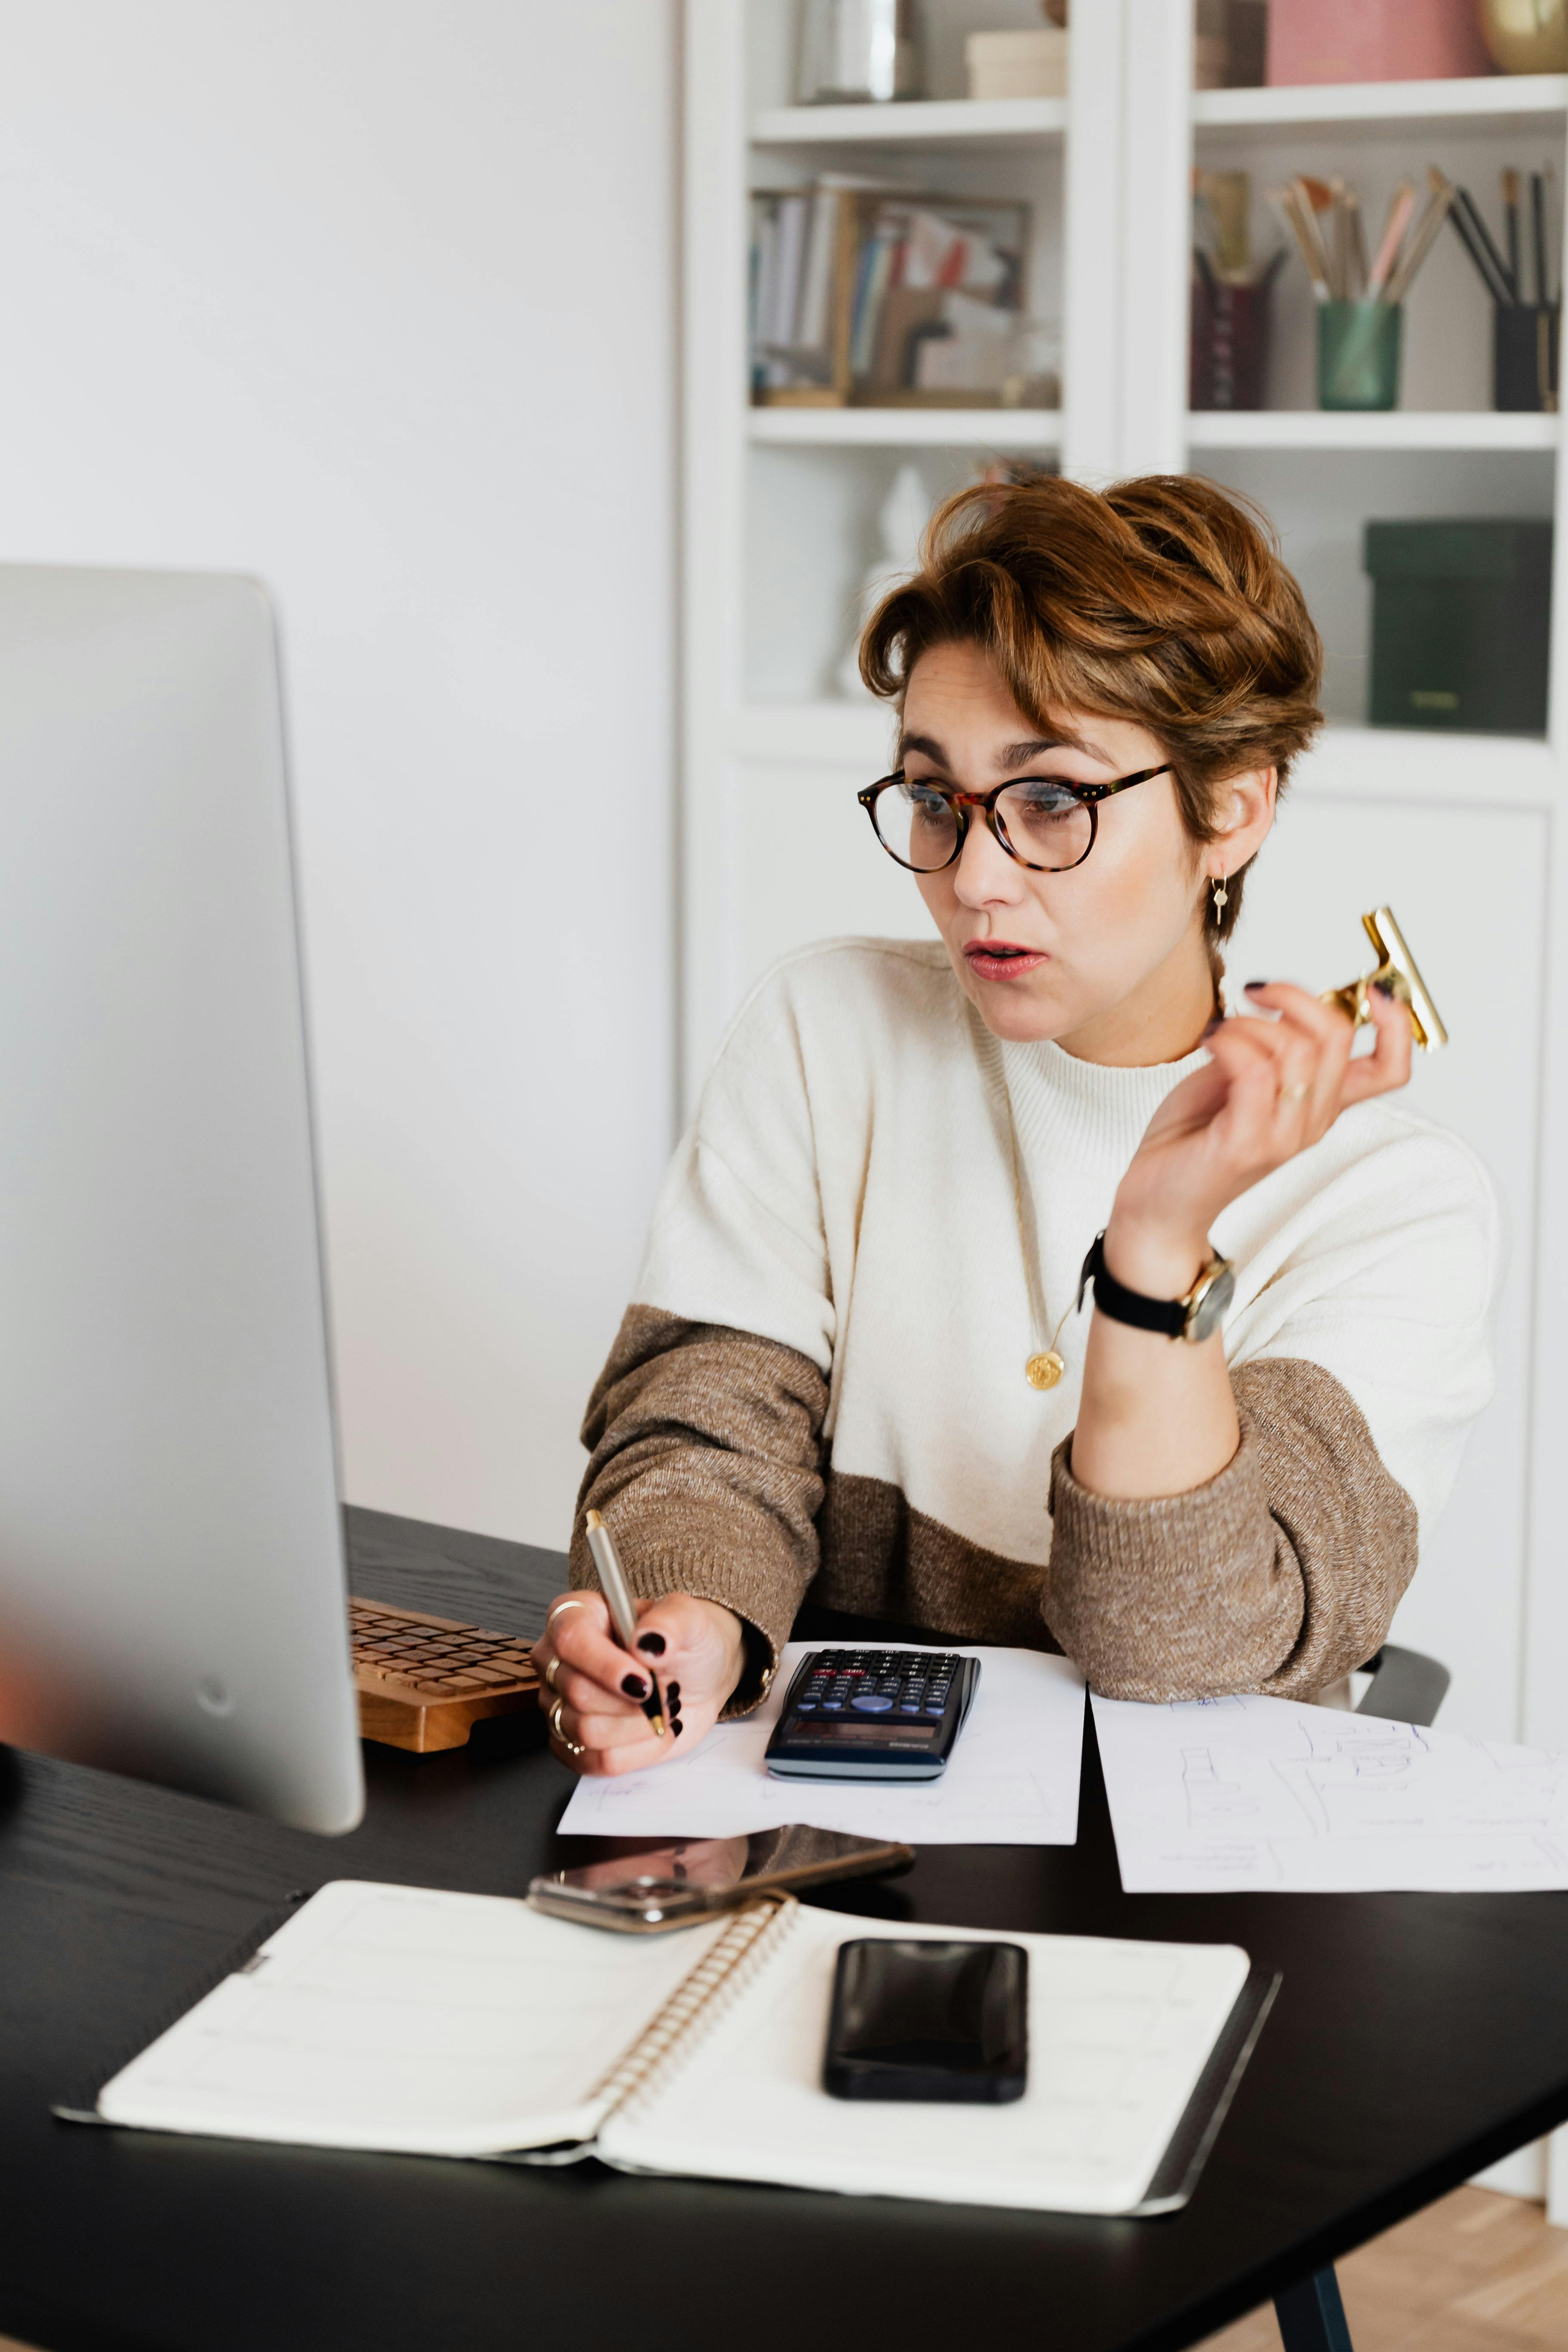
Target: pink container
(1375,40)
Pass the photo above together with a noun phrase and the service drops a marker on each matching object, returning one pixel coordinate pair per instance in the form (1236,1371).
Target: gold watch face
(1210,1301)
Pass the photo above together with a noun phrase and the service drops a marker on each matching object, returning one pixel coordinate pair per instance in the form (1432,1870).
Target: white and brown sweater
(820,1390)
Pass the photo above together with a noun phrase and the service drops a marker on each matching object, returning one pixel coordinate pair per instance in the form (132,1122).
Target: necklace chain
(1045,1365)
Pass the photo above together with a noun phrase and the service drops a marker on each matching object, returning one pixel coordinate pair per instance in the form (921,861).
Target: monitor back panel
(172,1593)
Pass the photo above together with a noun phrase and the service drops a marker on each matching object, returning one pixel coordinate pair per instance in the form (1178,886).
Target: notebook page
(1118,2034)
(395,2017)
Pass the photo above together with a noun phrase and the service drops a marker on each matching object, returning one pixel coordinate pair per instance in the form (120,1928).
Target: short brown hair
(1161,600)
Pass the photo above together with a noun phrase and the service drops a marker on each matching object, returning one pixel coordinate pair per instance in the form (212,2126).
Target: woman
(855,1367)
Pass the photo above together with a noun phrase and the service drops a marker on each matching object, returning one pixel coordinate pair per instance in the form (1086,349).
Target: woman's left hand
(1271,1088)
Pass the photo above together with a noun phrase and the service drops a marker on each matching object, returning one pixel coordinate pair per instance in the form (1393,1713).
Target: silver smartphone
(651,1888)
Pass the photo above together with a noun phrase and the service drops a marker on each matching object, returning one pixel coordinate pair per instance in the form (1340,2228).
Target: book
(778,319)
(467,2025)
(847,279)
(814,320)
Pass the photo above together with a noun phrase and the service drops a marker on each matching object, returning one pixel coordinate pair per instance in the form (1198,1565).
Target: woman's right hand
(594,1690)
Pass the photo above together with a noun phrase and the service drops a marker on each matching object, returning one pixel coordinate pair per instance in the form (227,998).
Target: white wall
(376,297)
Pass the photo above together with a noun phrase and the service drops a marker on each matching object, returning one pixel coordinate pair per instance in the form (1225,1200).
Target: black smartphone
(872,1714)
(914,2017)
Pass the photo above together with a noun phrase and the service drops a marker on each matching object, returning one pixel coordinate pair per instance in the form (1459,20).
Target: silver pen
(623,1609)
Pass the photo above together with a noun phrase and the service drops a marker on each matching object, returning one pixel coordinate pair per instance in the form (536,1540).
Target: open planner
(467,2025)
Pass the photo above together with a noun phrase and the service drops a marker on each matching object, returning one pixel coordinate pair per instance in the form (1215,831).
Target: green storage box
(1461,622)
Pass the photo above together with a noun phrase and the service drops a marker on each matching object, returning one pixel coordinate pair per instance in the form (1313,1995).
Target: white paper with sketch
(1012,1778)
(1270,1793)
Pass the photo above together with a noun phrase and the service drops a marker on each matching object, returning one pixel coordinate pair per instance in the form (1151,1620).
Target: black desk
(1417,2037)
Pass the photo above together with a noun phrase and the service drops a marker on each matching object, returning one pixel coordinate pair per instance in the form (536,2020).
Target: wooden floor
(1478,2272)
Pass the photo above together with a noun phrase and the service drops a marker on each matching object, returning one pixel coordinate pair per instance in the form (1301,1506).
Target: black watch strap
(1124,1306)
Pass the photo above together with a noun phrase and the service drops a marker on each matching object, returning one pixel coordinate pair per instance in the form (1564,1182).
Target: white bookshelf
(1320,429)
(1461,835)
(924,122)
(1521,100)
(906,429)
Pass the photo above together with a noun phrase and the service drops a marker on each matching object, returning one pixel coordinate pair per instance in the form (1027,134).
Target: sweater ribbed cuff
(1172,1596)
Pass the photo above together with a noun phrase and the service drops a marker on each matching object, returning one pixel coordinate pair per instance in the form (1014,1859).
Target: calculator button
(806,1707)
(870,1703)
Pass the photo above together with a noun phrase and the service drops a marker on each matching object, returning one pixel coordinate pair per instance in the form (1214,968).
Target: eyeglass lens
(1045,826)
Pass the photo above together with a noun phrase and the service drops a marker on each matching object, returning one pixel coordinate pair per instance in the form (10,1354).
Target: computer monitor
(172,1585)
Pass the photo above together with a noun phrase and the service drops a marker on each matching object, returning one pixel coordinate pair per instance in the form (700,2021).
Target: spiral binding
(698,2001)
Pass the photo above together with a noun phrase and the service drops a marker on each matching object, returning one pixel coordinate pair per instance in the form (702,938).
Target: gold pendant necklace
(1045,1365)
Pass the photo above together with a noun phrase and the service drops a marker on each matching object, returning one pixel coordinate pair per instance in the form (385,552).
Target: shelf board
(1361,762)
(934,122)
(1542,99)
(1313,428)
(1539,99)
(907,428)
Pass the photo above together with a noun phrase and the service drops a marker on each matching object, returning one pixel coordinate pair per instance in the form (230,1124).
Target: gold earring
(1221,896)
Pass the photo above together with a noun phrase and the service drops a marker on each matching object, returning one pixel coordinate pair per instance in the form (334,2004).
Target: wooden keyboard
(425,1682)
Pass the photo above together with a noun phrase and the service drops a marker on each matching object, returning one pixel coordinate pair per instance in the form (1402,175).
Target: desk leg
(1311,2316)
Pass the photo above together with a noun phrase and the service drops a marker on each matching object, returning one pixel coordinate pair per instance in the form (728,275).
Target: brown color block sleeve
(706,1460)
(1280,1575)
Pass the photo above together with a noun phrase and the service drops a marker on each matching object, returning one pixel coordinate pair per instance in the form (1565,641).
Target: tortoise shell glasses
(1046,823)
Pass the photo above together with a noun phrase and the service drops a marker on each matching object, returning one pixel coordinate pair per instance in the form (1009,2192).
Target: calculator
(872,1714)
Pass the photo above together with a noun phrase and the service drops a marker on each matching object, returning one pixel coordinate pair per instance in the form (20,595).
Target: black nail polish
(634,1687)
(1385,988)
(676,1728)
(672,1693)
(652,1642)
(1260,983)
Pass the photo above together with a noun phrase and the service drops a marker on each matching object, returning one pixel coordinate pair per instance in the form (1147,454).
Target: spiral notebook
(468,2026)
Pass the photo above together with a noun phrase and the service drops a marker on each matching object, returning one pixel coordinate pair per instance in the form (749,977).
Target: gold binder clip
(1398,971)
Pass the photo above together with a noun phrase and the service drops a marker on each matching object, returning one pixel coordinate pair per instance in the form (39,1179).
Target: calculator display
(892,1715)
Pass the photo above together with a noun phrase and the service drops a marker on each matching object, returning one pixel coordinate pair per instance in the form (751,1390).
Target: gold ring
(573,1747)
(550,1671)
(1294,1094)
(560,1611)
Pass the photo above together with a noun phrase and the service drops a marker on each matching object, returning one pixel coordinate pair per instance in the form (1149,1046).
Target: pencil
(1356,244)
(1510,224)
(623,1611)
(1440,204)
(1484,238)
(1298,208)
(1470,233)
(1400,212)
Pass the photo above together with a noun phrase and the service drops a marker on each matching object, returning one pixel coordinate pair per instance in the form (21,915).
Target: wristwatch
(1196,1317)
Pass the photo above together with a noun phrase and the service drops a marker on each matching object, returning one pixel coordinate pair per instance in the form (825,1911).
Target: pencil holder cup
(1230,344)
(1525,337)
(1358,355)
